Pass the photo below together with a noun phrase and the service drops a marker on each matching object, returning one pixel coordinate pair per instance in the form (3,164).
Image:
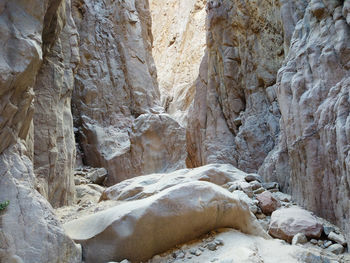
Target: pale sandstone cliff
(178,48)
(115,85)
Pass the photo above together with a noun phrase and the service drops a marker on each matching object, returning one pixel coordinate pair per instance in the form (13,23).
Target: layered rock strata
(234,116)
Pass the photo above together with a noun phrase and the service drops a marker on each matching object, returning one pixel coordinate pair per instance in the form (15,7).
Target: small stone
(253,177)
(247,188)
(340,239)
(211,246)
(267,202)
(259,191)
(282,197)
(97,176)
(201,249)
(125,261)
(234,187)
(260,216)
(269,186)
(336,249)
(299,238)
(313,241)
(255,185)
(198,252)
(327,243)
(219,242)
(328,229)
(319,243)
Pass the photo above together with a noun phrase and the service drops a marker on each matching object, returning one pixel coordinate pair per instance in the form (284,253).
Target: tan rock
(287,222)
(140,229)
(54,147)
(178,29)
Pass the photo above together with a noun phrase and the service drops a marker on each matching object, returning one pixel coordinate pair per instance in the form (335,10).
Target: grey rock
(314,241)
(327,243)
(328,229)
(338,238)
(270,185)
(299,238)
(212,246)
(97,176)
(253,177)
(336,249)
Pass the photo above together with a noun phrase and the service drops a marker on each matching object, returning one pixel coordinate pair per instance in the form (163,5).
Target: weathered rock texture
(178,29)
(139,229)
(29,230)
(313,93)
(115,84)
(54,147)
(234,117)
(148,185)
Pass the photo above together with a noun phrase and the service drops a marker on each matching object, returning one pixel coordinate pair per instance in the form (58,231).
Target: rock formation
(54,147)
(178,48)
(234,116)
(313,94)
(140,229)
(115,85)
(29,230)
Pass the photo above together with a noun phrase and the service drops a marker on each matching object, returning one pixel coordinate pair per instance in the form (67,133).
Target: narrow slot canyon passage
(175,131)
(179,42)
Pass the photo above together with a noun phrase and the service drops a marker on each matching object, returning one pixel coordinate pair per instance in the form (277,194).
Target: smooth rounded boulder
(287,222)
(137,230)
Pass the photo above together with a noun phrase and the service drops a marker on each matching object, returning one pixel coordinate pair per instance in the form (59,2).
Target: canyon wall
(178,29)
(234,116)
(116,93)
(313,88)
(29,230)
(54,147)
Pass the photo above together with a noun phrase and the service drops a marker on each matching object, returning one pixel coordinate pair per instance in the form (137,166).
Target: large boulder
(139,229)
(287,222)
(147,185)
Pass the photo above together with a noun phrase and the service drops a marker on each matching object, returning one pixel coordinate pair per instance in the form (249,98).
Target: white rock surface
(141,229)
(147,185)
(179,35)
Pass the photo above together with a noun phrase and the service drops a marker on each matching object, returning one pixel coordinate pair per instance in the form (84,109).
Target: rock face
(287,222)
(54,148)
(29,230)
(115,84)
(178,29)
(313,94)
(234,116)
(143,228)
